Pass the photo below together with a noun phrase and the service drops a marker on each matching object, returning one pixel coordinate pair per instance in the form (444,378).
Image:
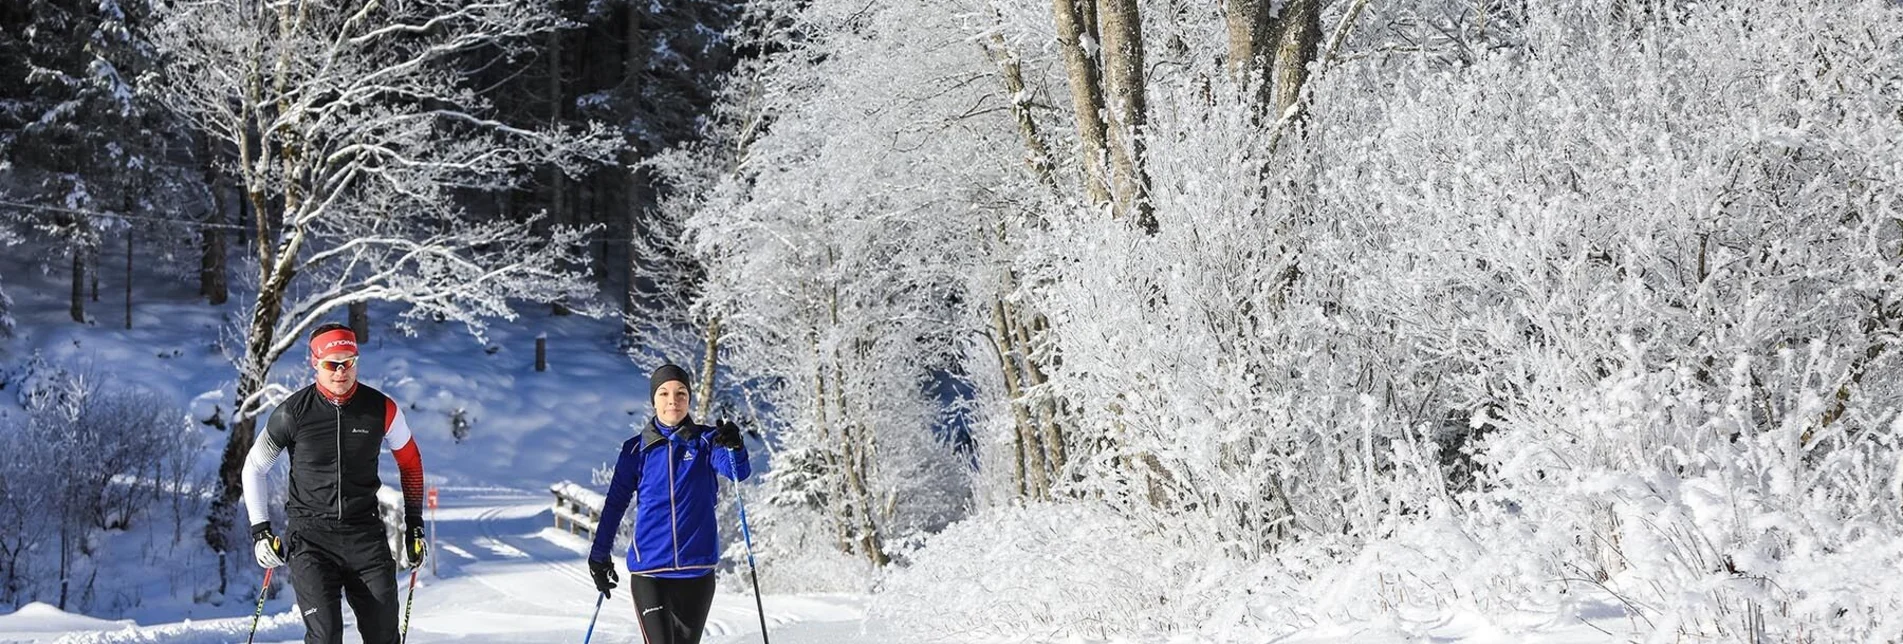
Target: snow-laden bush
(88,459)
(1668,330)
(1049,571)
(793,550)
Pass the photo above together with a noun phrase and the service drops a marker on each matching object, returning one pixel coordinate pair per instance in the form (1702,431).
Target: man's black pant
(673,611)
(327,557)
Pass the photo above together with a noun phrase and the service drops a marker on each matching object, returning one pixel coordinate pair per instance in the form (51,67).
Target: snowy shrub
(1667,328)
(23,523)
(794,552)
(1047,571)
(88,460)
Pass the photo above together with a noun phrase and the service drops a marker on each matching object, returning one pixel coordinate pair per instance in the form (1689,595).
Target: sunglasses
(337,365)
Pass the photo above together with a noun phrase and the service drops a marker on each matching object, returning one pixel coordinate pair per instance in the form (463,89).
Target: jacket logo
(359,430)
(688,455)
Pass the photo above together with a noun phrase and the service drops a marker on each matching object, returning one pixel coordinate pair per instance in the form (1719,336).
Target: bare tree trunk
(852,447)
(1246,22)
(276,267)
(65,559)
(212,282)
(634,64)
(1039,441)
(1298,36)
(1272,50)
(1122,39)
(708,361)
(360,321)
(1051,453)
(828,453)
(128,278)
(259,337)
(1077,24)
(631,291)
(1037,157)
(558,208)
(1026,438)
(78,305)
(855,448)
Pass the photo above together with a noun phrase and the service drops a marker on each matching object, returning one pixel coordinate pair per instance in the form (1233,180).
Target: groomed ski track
(505,574)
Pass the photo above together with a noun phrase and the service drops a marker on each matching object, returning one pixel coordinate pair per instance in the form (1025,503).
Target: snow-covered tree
(357,132)
(77,141)
(1603,290)
(836,289)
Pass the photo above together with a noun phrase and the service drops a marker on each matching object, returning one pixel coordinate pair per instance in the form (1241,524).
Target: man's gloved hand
(416,544)
(605,575)
(266,546)
(727,434)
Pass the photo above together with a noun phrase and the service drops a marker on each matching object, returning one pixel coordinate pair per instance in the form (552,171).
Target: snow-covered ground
(504,573)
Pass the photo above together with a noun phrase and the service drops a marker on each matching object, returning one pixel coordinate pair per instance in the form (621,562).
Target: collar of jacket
(652,435)
(336,400)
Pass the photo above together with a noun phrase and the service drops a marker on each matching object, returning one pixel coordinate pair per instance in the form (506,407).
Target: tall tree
(1120,35)
(355,132)
(1076,22)
(213,276)
(1270,48)
(1102,45)
(77,140)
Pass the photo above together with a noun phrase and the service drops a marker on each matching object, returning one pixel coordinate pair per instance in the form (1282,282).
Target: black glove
(266,547)
(416,545)
(727,434)
(605,575)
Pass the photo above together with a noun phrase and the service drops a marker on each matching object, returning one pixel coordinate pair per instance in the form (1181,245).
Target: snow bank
(282,626)
(39,617)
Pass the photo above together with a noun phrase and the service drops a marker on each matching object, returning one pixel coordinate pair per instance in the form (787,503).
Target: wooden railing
(578,510)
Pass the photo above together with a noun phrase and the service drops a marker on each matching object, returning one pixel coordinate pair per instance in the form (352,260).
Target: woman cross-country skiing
(668,469)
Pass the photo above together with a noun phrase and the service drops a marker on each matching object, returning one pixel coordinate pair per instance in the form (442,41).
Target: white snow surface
(504,573)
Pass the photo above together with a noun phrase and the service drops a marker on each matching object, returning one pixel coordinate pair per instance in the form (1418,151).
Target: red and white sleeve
(409,460)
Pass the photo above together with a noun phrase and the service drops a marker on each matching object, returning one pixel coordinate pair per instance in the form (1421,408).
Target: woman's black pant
(673,611)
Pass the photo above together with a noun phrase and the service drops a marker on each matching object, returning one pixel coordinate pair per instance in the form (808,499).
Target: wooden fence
(578,510)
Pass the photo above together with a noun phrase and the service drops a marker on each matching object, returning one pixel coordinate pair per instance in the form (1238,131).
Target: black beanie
(663,374)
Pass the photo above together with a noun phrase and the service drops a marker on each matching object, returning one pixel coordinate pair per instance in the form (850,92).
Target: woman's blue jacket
(669,475)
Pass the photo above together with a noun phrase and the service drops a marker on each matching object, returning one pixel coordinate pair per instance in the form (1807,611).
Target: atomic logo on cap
(334,341)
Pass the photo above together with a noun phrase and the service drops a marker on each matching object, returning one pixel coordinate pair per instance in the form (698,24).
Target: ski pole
(747,536)
(262,591)
(591,620)
(409,604)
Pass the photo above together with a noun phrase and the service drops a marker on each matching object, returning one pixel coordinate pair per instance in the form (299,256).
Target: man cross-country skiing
(335,541)
(667,469)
